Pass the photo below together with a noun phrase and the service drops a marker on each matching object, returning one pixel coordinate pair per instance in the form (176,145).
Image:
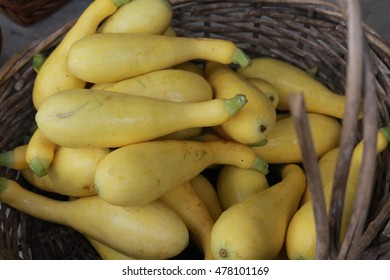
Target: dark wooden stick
(314,181)
(375,226)
(351,10)
(349,248)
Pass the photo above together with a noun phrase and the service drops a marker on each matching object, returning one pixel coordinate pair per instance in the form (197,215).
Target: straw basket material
(27,12)
(1,40)
(352,59)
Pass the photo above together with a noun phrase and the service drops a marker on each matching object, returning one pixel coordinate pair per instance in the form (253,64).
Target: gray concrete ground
(376,13)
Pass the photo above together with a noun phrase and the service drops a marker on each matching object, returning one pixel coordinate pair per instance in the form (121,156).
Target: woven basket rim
(26,13)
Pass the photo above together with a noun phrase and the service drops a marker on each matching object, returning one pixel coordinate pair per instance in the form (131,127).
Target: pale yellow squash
(268,89)
(139,16)
(71,172)
(40,153)
(191,67)
(207,193)
(301,234)
(256,227)
(151,231)
(257,119)
(112,57)
(53,76)
(142,172)
(282,144)
(287,78)
(327,166)
(167,84)
(85,118)
(15,158)
(236,184)
(106,252)
(194,213)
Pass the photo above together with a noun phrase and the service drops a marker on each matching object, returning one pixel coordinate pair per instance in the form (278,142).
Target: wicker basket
(305,33)
(26,12)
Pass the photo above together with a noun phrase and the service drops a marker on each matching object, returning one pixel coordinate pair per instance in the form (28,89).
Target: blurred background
(376,13)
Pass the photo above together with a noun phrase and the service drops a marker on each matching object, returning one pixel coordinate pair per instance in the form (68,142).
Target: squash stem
(386,132)
(234,104)
(258,144)
(3,184)
(39,166)
(241,58)
(6,159)
(260,165)
(38,60)
(312,72)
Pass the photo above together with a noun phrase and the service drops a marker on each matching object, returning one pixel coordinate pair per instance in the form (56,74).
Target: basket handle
(359,78)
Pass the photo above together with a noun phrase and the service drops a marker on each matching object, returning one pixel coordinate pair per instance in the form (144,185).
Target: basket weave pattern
(28,12)
(305,33)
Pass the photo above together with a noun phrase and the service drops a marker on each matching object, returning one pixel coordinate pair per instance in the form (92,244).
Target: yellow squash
(151,231)
(170,31)
(207,193)
(287,78)
(301,234)
(184,134)
(106,252)
(139,16)
(327,166)
(194,213)
(256,120)
(71,172)
(40,153)
(191,67)
(54,76)
(282,143)
(269,90)
(236,184)
(142,172)
(79,119)
(15,158)
(167,84)
(255,228)
(112,57)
